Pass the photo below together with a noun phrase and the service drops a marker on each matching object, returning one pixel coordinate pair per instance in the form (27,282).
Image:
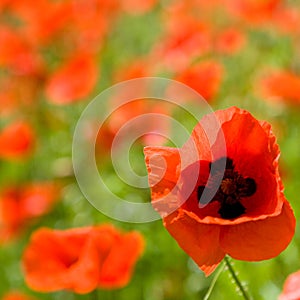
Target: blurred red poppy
(282,85)
(134,69)
(291,288)
(16,140)
(133,109)
(239,210)
(105,138)
(185,39)
(255,12)
(73,81)
(16,54)
(151,117)
(91,20)
(14,295)
(40,22)
(230,41)
(137,7)
(287,20)
(204,77)
(20,205)
(81,259)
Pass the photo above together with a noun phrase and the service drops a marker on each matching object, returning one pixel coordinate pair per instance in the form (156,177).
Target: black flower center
(232,188)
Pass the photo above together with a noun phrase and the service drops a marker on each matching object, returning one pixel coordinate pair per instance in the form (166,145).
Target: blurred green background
(164,271)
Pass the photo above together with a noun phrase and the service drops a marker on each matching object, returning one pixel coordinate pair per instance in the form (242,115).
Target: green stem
(236,279)
(213,282)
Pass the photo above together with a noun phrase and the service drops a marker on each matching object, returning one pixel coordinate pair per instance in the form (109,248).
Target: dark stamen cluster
(232,188)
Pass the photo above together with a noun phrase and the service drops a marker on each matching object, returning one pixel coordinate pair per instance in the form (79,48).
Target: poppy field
(149,149)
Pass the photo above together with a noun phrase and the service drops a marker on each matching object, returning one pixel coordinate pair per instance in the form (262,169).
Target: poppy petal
(265,239)
(16,295)
(205,78)
(16,140)
(253,144)
(291,288)
(163,165)
(116,269)
(202,138)
(47,258)
(247,129)
(80,259)
(73,81)
(88,266)
(199,241)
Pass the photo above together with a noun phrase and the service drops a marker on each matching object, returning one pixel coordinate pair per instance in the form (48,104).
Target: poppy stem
(213,282)
(236,279)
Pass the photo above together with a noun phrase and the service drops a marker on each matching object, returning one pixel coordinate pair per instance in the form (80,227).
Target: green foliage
(164,272)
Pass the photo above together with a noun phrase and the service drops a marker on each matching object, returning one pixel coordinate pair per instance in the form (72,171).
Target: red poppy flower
(91,20)
(254,11)
(134,116)
(204,77)
(137,7)
(81,259)
(230,41)
(134,69)
(291,288)
(21,204)
(40,22)
(16,140)
(129,111)
(287,20)
(104,141)
(239,210)
(14,295)
(74,80)
(186,38)
(152,120)
(282,85)
(16,54)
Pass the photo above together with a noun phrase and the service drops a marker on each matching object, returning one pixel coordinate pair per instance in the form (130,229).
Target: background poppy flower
(153,125)
(16,54)
(43,20)
(184,41)
(16,140)
(230,41)
(287,20)
(73,81)
(247,215)
(19,205)
(204,77)
(80,259)
(134,69)
(15,295)
(137,7)
(282,85)
(291,288)
(254,11)
(91,21)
